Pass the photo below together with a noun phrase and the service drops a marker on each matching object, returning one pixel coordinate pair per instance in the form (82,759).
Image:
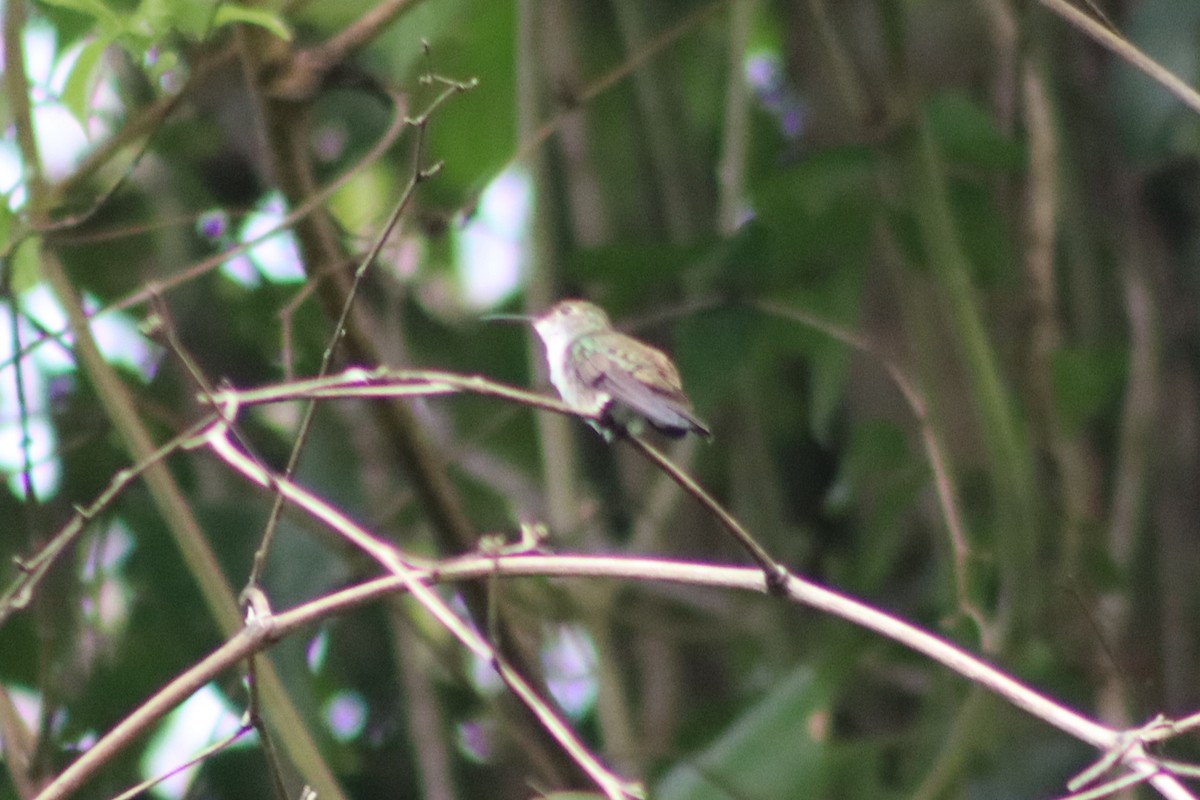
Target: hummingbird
(609,375)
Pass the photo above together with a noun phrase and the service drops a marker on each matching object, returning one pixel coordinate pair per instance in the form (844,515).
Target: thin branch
(203,755)
(1104,35)
(303,73)
(419,175)
(254,714)
(248,640)
(253,600)
(397,125)
(18,745)
(382,382)
(179,518)
(144,124)
(263,632)
(841,64)
(775,573)
(943,480)
(424,721)
(796,588)
(16,89)
(611,79)
(322,249)
(1109,789)
(392,560)
(16,597)
(662,133)
(735,132)
(362,31)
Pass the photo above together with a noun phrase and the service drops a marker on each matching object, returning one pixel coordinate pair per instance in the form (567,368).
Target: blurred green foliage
(833,329)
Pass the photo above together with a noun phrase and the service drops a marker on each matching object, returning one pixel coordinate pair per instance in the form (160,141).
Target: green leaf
(876,448)
(6,221)
(986,236)
(716,351)
(877,484)
(630,272)
(1087,383)
(154,18)
(474,132)
(969,135)
(822,182)
(231,13)
(77,93)
(813,219)
(830,367)
(26,265)
(190,18)
(108,19)
(771,751)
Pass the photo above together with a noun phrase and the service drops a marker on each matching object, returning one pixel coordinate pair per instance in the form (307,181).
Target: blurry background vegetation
(928,267)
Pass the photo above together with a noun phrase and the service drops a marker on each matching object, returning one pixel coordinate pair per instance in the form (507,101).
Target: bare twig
(360,383)
(17,746)
(420,174)
(246,641)
(33,569)
(607,81)
(735,133)
(203,267)
(393,561)
(943,479)
(263,632)
(305,72)
(203,755)
(1102,32)
(774,572)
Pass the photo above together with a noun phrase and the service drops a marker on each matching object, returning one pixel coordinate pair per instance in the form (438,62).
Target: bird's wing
(645,381)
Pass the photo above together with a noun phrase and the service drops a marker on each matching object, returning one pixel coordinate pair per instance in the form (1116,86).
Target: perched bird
(600,371)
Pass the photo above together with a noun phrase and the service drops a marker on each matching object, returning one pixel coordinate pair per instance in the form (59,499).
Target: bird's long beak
(507,318)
